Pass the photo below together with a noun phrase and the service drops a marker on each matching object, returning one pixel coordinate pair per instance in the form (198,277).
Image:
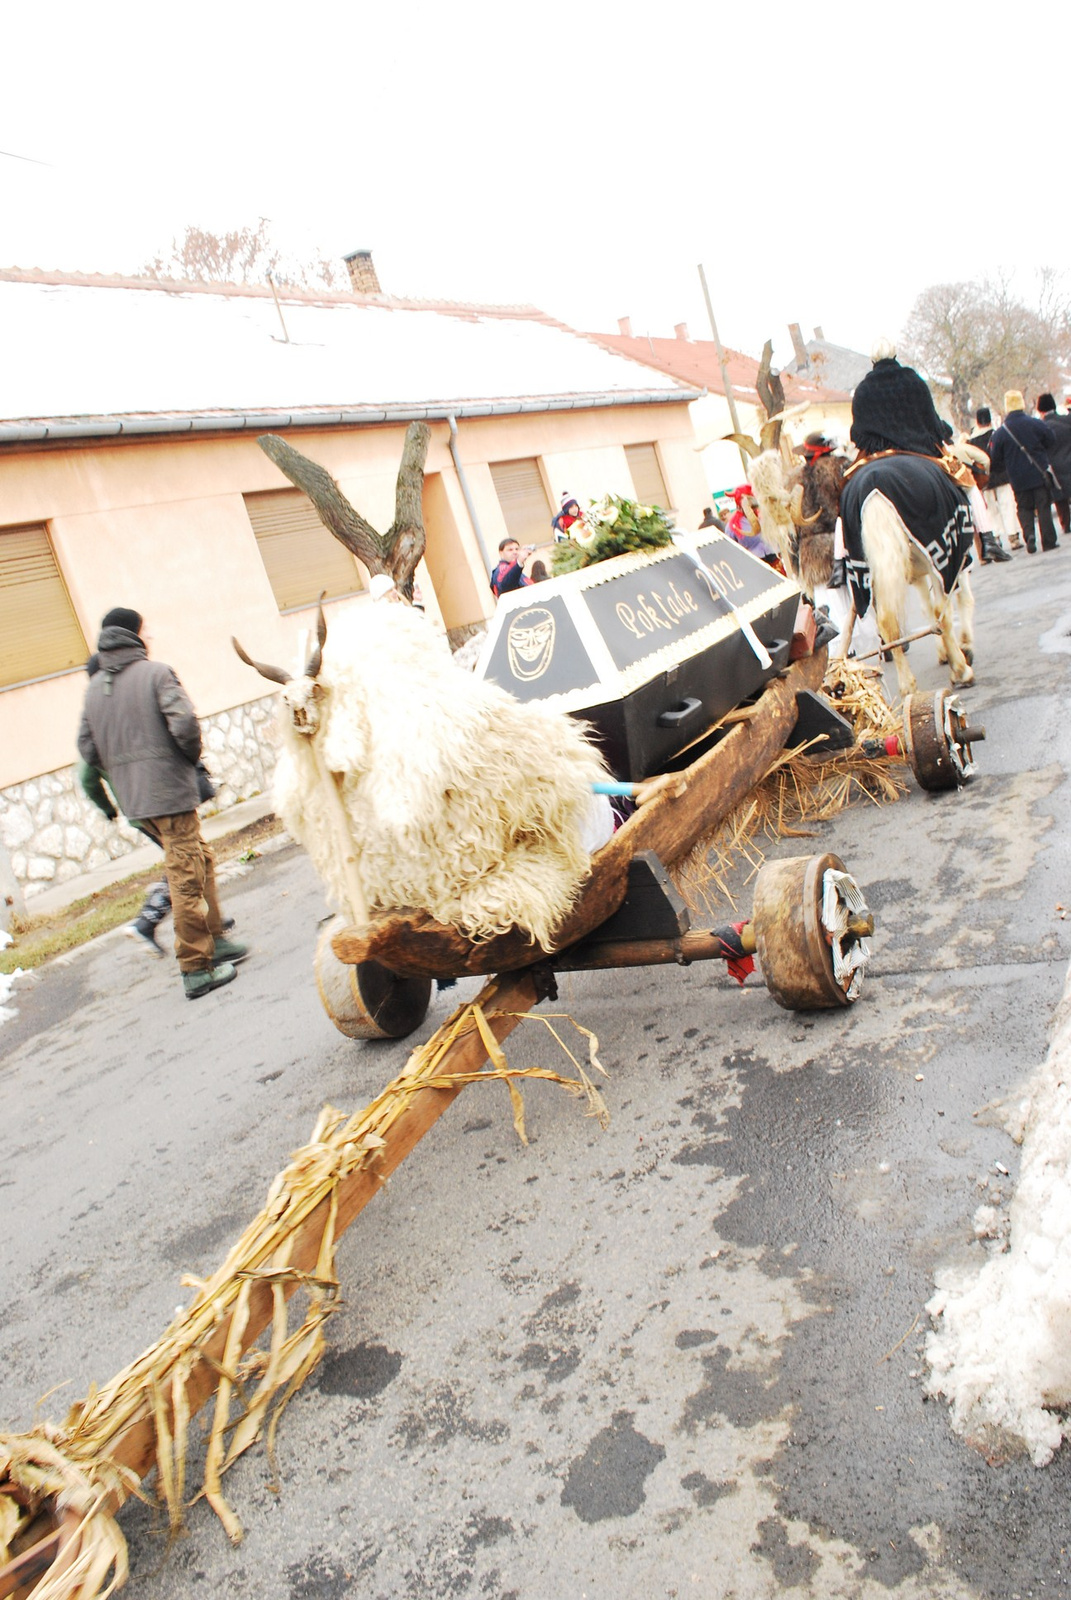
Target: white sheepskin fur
(462,802)
(777,523)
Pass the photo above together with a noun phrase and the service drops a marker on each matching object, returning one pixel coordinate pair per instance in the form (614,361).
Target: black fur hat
(1046,402)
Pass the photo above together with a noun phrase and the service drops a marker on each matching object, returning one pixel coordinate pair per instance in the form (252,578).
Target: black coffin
(645,649)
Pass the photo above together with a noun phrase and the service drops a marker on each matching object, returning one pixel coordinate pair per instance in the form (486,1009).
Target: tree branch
(771,393)
(395,552)
(405,536)
(332,507)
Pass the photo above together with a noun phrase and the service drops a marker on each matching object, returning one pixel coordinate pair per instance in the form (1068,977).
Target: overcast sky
(825,163)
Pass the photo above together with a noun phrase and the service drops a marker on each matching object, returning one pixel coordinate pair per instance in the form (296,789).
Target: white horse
(888,557)
(897,563)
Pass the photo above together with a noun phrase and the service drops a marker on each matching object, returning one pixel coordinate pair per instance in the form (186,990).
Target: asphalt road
(682,1356)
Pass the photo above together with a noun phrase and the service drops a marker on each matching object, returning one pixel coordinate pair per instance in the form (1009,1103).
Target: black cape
(892,409)
(934,509)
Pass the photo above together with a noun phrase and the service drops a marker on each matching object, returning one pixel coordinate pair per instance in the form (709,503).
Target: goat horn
(273,674)
(315,661)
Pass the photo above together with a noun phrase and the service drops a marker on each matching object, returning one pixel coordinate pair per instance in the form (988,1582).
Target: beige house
(811,398)
(130,474)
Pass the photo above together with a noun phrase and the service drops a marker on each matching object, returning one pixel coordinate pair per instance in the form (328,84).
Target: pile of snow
(7,981)
(1001,1353)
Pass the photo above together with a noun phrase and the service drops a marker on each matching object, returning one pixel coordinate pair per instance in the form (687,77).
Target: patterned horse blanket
(933,508)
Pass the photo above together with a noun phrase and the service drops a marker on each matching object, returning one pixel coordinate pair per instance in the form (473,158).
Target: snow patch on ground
(7,985)
(1058,638)
(1001,1352)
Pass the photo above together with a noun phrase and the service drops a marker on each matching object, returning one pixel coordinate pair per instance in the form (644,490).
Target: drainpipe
(465,490)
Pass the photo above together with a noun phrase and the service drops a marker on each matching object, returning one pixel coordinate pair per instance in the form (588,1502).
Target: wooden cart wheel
(938,739)
(366,1001)
(792,944)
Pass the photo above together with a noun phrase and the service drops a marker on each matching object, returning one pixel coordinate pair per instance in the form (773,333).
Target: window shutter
(647,476)
(301,558)
(39,632)
(519,486)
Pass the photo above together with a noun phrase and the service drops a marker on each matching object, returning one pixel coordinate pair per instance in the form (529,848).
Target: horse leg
(890,626)
(965,607)
(889,551)
(960,668)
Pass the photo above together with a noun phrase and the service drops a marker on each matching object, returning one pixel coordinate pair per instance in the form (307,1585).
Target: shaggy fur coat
(461,802)
(821,481)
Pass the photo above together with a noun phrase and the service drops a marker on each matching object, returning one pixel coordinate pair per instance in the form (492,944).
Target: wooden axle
(700,944)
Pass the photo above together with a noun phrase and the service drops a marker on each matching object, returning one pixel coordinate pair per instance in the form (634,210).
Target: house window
(525,507)
(39,632)
(302,559)
(647,476)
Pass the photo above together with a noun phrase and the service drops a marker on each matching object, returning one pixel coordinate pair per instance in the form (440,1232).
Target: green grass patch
(38,939)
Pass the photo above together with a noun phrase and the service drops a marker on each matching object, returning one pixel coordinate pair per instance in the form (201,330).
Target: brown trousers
(191,874)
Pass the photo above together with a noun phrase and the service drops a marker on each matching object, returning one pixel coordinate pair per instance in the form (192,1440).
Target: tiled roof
(695,361)
(87,347)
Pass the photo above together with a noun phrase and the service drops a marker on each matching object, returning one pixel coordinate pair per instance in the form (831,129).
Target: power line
(13,157)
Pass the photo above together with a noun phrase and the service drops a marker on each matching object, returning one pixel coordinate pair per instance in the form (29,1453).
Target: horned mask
(303,696)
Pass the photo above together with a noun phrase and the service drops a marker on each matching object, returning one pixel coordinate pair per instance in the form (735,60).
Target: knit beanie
(123,617)
(1013,401)
(1046,402)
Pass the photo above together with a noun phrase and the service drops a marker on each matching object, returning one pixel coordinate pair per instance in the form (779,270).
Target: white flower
(584,533)
(610,516)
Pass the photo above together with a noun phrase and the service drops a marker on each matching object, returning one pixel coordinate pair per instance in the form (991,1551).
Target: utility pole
(724,370)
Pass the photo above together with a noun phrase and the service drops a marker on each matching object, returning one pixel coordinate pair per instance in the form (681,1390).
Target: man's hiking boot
(198,983)
(144,934)
(231,950)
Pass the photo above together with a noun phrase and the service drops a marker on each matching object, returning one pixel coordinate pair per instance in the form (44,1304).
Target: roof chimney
(625,327)
(820,335)
(680,330)
(802,358)
(362,272)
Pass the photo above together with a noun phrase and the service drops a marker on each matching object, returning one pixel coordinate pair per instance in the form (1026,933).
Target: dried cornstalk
(798,789)
(73,1464)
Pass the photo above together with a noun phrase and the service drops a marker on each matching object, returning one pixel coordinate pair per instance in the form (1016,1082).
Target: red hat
(744,489)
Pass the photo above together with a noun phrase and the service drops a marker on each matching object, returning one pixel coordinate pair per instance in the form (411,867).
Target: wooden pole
(724,370)
(134,1446)
(340,827)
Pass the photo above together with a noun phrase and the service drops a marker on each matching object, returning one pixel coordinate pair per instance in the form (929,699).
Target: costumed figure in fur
(459,801)
(820,480)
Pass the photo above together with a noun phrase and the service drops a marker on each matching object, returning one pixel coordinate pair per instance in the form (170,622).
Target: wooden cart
(376,981)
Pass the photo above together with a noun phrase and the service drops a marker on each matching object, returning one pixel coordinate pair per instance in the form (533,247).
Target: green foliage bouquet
(612,526)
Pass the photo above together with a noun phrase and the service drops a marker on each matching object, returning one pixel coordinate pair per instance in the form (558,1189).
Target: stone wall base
(50,833)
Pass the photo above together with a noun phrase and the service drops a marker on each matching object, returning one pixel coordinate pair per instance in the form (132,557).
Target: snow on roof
(75,348)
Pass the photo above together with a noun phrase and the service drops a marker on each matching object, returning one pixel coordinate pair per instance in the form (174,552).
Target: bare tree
(981,339)
(247,254)
(395,552)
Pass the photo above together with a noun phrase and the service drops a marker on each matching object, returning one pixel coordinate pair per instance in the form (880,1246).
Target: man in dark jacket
(1021,448)
(139,727)
(1059,455)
